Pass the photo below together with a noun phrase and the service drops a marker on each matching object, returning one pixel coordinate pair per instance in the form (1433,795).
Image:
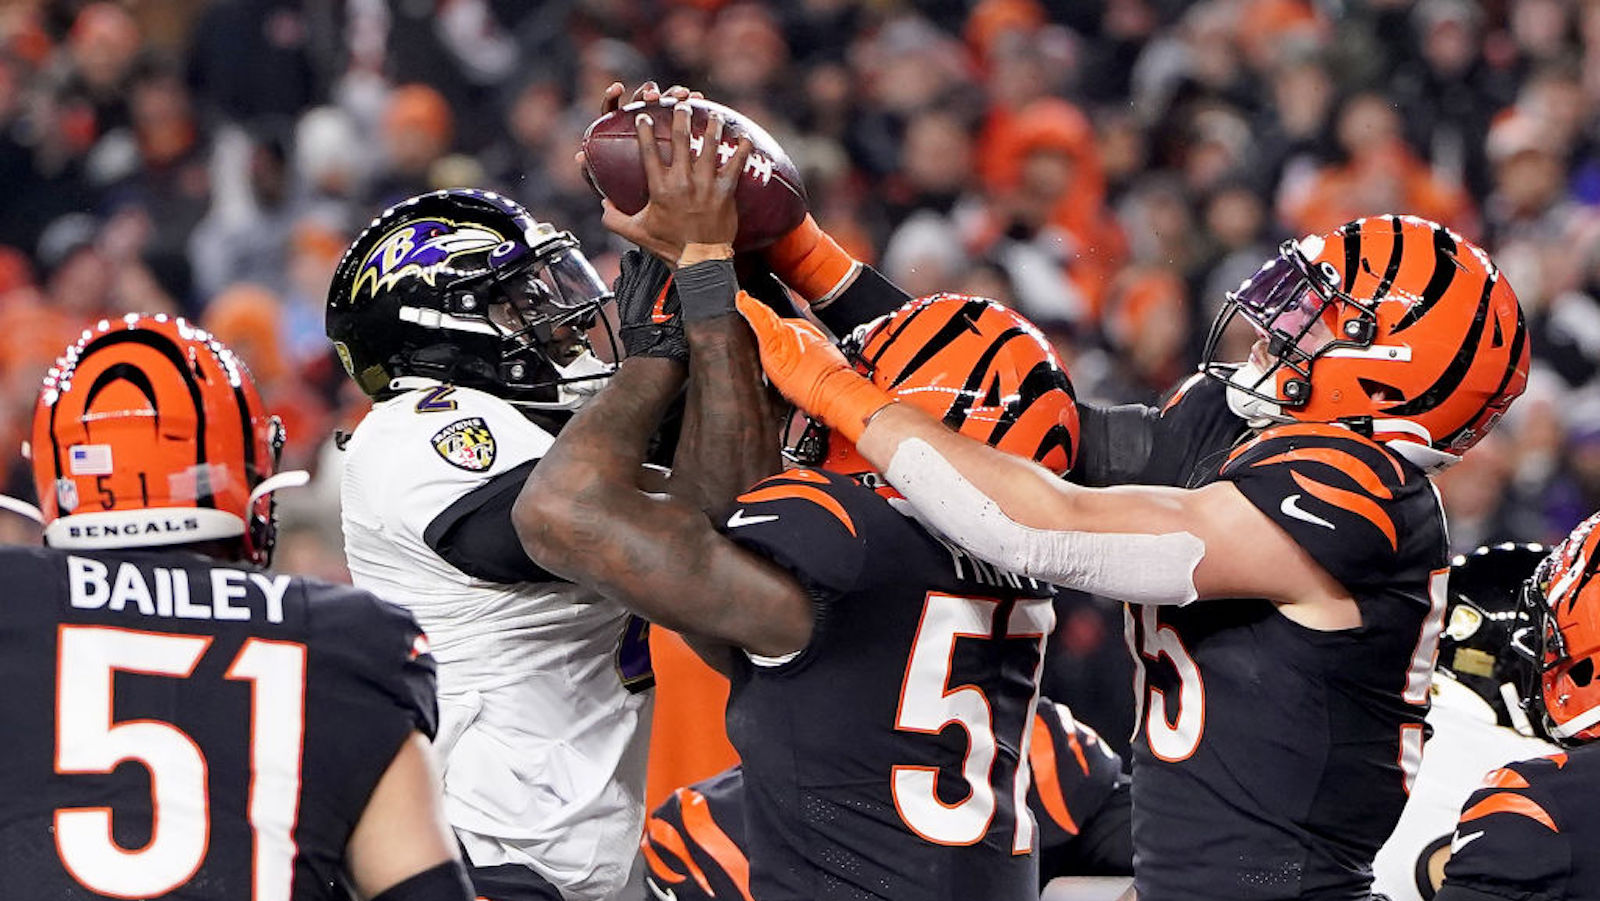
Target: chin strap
(291,478)
(22,508)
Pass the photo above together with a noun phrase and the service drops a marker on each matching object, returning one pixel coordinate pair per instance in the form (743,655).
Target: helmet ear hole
(1380,391)
(1582,672)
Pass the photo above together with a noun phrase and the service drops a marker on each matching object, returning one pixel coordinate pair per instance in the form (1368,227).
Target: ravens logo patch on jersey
(466,443)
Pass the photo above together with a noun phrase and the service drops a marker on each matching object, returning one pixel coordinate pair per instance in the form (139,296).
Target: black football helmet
(1486,632)
(465,286)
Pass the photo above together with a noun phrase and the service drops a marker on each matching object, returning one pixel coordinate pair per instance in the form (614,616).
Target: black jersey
(1531,833)
(189,729)
(694,842)
(1272,760)
(882,760)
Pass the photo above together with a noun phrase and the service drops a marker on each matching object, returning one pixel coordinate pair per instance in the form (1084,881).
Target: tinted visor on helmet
(551,307)
(1286,302)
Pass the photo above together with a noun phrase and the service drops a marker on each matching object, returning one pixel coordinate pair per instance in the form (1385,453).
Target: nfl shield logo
(466,444)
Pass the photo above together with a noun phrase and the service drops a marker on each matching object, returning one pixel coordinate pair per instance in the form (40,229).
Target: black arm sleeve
(445,882)
(868,297)
(475,534)
(1448,892)
(1115,443)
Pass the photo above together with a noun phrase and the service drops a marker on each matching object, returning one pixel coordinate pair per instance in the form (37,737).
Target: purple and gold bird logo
(424,248)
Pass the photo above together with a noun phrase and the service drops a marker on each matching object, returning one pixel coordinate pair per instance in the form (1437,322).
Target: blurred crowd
(1110,167)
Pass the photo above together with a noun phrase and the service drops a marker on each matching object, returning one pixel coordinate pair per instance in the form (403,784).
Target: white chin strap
(1577,724)
(1135,568)
(591,374)
(291,478)
(1253,410)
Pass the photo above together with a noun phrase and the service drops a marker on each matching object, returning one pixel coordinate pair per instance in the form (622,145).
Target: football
(770,197)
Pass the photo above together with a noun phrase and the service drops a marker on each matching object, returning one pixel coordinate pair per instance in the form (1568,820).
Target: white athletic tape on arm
(1138,569)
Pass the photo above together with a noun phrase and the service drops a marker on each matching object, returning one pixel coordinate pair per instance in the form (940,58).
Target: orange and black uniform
(134,677)
(694,842)
(1271,760)
(859,751)
(1531,833)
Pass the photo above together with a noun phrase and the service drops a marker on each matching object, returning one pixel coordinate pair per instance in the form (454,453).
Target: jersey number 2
(928,705)
(88,740)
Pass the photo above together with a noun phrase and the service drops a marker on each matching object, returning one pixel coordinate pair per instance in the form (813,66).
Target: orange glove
(803,364)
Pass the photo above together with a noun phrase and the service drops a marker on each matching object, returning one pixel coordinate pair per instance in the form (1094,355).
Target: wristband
(706,289)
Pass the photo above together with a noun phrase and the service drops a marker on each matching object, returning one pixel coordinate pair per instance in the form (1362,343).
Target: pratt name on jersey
(234,594)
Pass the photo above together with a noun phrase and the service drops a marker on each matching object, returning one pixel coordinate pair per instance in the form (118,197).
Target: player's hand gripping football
(806,367)
(691,196)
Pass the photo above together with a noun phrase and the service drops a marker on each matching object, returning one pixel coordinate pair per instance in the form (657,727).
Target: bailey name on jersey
(234,594)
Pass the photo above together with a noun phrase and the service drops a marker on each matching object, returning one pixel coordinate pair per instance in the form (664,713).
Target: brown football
(770,197)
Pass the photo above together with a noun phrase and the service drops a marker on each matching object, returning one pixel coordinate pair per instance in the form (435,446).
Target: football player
(1387,348)
(1532,828)
(883,682)
(1476,717)
(694,842)
(466,321)
(209,729)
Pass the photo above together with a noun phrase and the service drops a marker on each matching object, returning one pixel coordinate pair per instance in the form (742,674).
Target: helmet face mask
(1289,303)
(465,286)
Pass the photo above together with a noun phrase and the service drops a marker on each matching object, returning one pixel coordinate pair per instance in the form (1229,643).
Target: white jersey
(1466,744)
(544,748)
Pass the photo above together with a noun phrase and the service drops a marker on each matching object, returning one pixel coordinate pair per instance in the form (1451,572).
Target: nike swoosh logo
(739,519)
(1458,841)
(1291,508)
(659,892)
(658,312)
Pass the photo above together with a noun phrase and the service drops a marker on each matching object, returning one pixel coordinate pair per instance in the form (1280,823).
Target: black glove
(646,330)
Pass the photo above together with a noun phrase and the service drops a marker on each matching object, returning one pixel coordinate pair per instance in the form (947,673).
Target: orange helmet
(982,369)
(149,432)
(1393,325)
(1562,600)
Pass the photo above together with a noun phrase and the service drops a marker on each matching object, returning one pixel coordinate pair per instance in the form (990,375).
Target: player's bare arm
(402,834)
(581,517)
(1187,544)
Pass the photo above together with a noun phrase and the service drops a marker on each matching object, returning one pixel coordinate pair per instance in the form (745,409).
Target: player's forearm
(1128,544)
(729,439)
(592,467)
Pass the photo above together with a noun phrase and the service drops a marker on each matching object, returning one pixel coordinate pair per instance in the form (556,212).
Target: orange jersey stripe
(805,493)
(1345,462)
(1506,802)
(1505,777)
(1321,430)
(659,831)
(705,832)
(1046,778)
(799,475)
(1359,504)
(1560,759)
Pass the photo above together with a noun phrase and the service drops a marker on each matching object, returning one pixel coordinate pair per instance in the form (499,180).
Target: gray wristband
(706,290)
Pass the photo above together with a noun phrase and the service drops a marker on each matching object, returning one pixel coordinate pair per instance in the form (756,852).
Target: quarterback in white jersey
(463,318)
(1475,726)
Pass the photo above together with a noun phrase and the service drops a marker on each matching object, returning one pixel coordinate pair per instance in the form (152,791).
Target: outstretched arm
(1139,544)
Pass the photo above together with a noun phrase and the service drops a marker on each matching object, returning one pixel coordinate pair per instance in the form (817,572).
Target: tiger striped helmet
(1562,601)
(1394,325)
(980,368)
(150,432)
